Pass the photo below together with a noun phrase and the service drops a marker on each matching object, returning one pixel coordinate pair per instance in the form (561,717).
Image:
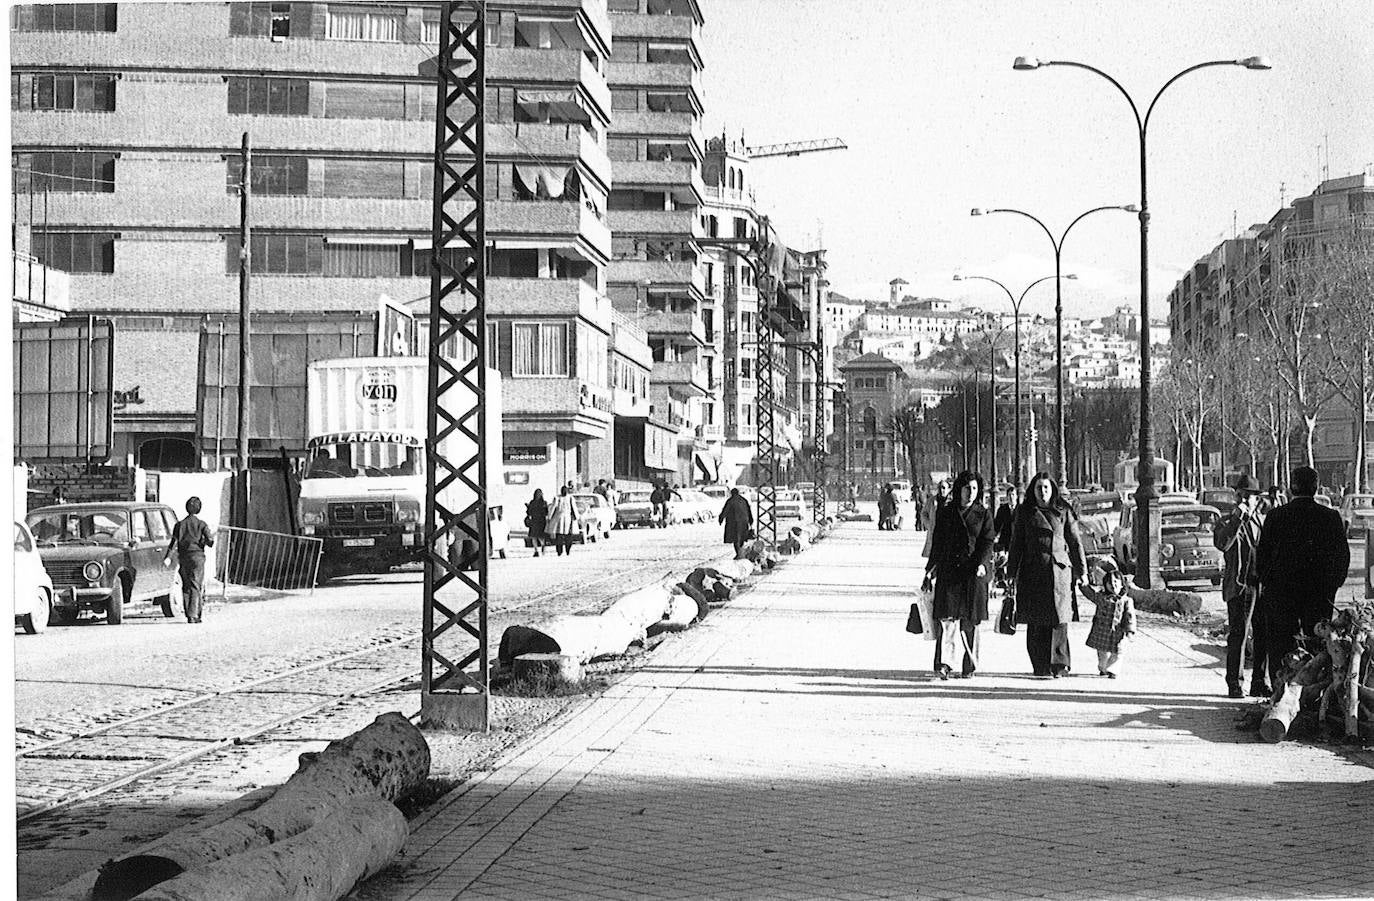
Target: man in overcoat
(1236,536)
(1301,561)
(738,519)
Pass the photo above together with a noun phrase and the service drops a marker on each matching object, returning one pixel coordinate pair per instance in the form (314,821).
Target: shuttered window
(268,96)
(265,20)
(348,100)
(66,173)
(361,178)
(278,254)
(363,260)
(79,93)
(76,251)
(67,17)
(272,174)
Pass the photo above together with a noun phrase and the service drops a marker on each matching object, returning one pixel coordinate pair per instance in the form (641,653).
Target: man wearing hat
(1236,536)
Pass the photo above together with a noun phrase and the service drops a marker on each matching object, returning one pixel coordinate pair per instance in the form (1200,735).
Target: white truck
(363,486)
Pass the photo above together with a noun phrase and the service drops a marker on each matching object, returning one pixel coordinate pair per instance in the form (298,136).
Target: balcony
(657,274)
(656,27)
(40,294)
(553,405)
(654,75)
(684,376)
(674,325)
(547,67)
(546,297)
(678,176)
(659,125)
(713,431)
(668,223)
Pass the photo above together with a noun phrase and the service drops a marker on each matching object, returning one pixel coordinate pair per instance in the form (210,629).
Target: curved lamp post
(1061,459)
(1019,476)
(1147,512)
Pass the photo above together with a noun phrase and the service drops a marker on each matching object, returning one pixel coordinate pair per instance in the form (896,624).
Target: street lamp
(1147,510)
(1019,477)
(1058,243)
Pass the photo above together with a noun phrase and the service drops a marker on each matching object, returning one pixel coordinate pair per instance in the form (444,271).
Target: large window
(80,93)
(76,251)
(66,17)
(278,254)
(277,175)
(264,20)
(361,24)
(539,349)
(269,96)
(67,173)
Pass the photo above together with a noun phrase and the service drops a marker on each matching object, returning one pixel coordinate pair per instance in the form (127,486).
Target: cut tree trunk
(321,864)
(559,667)
(1274,726)
(1159,600)
(1352,697)
(388,759)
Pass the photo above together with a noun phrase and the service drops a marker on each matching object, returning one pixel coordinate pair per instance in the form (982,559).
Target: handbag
(913,620)
(922,613)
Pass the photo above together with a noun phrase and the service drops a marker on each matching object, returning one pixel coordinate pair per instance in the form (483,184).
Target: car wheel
(114,608)
(65,616)
(37,621)
(165,604)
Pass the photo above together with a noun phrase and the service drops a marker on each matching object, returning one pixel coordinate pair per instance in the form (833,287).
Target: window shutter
(260,19)
(300,19)
(111,16)
(239,18)
(238,95)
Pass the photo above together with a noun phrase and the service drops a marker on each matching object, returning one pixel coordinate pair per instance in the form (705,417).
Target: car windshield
(1362,501)
(83,527)
(635,497)
(1188,521)
(372,459)
(584,502)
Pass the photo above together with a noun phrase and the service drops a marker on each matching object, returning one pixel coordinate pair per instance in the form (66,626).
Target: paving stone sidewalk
(796,745)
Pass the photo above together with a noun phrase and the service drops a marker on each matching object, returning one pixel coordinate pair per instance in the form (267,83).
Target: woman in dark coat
(737,518)
(960,562)
(537,520)
(1045,559)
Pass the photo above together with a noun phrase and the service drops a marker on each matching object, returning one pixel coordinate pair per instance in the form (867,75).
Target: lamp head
(1072,275)
(1026,63)
(1256,63)
(976,211)
(1132,208)
(958,277)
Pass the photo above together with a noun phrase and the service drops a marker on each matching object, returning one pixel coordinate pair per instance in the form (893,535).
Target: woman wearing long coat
(563,522)
(1045,558)
(738,519)
(960,563)
(537,520)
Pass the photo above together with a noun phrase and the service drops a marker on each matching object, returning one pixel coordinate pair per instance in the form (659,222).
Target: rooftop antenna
(1283,195)
(1326,170)
(1235,227)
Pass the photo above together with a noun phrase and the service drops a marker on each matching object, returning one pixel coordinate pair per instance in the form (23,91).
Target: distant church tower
(895,290)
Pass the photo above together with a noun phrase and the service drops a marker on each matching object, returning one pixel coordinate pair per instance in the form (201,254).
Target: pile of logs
(1336,682)
(328,827)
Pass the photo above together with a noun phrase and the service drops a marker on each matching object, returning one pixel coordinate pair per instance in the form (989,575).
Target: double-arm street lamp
(1061,461)
(1019,476)
(1147,511)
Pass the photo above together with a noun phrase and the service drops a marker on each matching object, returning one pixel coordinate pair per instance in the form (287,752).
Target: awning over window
(556,106)
(707,466)
(549,179)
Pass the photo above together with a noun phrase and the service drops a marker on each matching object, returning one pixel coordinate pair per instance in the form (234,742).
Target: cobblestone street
(797,746)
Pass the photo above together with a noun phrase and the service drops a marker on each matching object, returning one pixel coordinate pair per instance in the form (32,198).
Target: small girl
(1115,616)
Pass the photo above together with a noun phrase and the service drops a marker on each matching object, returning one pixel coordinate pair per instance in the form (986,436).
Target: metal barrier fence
(265,559)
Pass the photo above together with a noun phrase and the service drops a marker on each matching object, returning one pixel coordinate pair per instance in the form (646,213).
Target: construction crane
(796,148)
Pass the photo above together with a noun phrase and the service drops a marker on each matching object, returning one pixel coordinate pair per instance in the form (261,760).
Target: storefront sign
(525,456)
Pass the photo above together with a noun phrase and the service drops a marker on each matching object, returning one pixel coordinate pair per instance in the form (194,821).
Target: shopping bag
(924,608)
(925,548)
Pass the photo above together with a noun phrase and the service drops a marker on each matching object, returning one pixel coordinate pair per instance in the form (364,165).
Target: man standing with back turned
(190,537)
(1301,561)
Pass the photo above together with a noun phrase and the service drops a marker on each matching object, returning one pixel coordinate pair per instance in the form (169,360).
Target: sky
(937,122)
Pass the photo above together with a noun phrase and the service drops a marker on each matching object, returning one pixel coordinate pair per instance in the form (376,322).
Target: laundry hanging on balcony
(544,182)
(551,106)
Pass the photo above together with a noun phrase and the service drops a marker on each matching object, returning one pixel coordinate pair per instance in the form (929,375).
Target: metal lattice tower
(765,440)
(454,688)
(818,440)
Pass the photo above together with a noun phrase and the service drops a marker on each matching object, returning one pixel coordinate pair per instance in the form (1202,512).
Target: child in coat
(1114,620)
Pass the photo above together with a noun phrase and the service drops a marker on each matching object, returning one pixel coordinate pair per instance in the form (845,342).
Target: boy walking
(190,537)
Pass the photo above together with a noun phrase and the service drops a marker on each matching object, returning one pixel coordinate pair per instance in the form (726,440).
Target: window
(77,251)
(624,50)
(362,260)
(623,150)
(278,254)
(539,349)
(81,93)
(140,525)
(262,20)
(623,6)
(624,98)
(364,24)
(269,96)
(67,17)
(273,175)
(68,173)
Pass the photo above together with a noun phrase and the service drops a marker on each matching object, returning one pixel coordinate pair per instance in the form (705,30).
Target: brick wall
(80,483)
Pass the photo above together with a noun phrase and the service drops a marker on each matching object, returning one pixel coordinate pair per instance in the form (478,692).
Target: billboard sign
(63,391)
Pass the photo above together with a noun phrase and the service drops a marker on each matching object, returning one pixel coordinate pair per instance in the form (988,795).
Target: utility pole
(245,363)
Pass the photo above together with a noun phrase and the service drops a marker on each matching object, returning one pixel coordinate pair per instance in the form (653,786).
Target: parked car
(1098,513)
(634,509)
(1185,544)
(105,556)
(1357,512)
(597,515)
(695,506)
(1324,499)
(1123,544)
(790,504)
(1224,499)
(32,587)
(717,493)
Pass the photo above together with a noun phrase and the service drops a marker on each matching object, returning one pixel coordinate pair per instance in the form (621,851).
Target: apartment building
(875,387)
(656,149)
(128,119)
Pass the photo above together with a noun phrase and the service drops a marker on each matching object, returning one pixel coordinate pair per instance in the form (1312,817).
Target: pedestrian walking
(1114,620)
(933,504)
(959,564)
(190,537)
(1237,535)
(1045,559)
(1001,521)
(1301,561)
(563,522)
(537,520)
(602,489)
(738,520)
(887,506)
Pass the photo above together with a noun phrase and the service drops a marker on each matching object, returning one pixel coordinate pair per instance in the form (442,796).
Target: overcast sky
(937,122)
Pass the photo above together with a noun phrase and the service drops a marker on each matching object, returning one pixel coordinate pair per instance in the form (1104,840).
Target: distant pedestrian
(933,504)
(1236,536)
(1301,562)
(1001,521)
(190,538)
(58,496)
(738,520)
(959,565)
(1044,559)
(887,506)
(537,520)
(563,521)
(602,489)
(1114,620)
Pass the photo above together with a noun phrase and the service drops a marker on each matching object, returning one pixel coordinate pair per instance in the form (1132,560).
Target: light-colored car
(791,504)
(32,587)
(633,509)
(1186,550)
(1098,514)
(696,506)
(1357,512)
(1123,543)
(596,513)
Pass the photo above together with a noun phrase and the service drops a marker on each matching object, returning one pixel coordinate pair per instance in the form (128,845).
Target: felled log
(1159,600)
(698,597)
(558,667)
(1305,682)
(321,864)
(387,759)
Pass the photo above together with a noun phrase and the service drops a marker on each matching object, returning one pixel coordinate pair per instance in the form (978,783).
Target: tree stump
(557,667)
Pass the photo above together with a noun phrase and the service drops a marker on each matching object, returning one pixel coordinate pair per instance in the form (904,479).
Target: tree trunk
(1274,727)
(1352,699)
(321,864)
(388,759)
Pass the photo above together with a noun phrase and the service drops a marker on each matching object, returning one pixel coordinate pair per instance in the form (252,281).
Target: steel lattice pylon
(454,692)
(765,442)
(820,470)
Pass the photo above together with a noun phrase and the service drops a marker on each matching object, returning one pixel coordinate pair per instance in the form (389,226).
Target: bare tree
(1343,278)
